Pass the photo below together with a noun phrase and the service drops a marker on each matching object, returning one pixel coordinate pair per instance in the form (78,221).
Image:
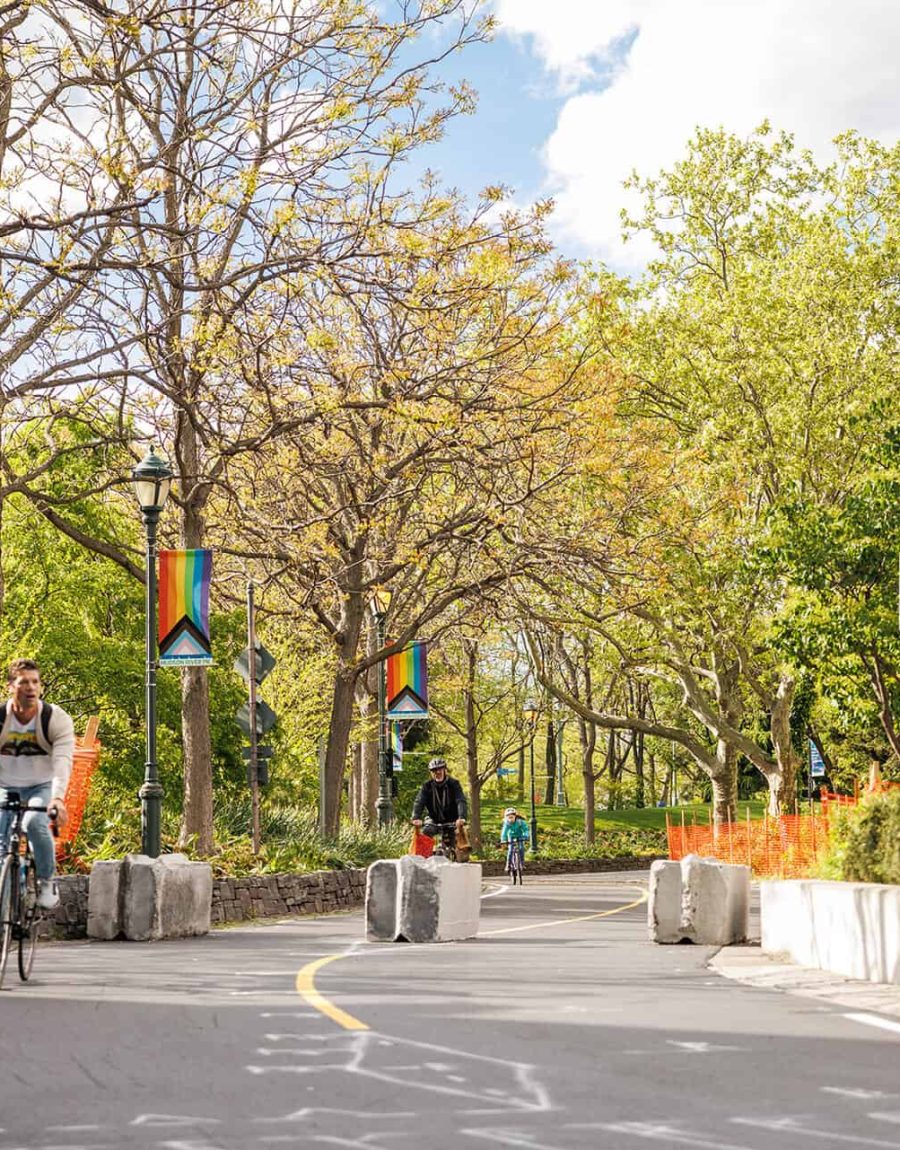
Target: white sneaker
(48,897)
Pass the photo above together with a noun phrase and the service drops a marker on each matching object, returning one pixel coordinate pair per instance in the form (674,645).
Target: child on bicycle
(515,830)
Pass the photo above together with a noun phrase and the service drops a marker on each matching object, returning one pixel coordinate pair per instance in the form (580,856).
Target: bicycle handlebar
(13,803)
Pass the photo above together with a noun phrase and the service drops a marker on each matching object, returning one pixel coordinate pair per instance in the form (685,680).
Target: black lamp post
(384,807)
(152,478)
(531,715)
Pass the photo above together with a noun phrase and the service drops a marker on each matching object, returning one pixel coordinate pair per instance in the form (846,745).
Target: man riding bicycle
(442,799)
(36,745)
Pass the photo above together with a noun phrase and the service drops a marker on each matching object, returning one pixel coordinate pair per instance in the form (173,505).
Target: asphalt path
(559,1027)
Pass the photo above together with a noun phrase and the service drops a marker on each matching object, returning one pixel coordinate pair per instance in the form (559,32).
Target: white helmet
(510,811)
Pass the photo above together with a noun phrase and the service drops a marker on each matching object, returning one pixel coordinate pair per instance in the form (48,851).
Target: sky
(575,94)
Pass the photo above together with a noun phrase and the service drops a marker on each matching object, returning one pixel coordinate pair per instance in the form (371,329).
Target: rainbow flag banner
(184,578)
(397,746)
(407,683)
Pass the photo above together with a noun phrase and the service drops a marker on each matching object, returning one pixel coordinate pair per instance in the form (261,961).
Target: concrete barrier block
(382,885)
(699,900)
(459,901)
(185,897)
(715,901)
(418,910)
(167,897)
(664,904)
(105,890)
(422,900)
(852,929)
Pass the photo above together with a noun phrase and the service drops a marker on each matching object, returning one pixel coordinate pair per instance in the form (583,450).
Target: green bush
(865,841)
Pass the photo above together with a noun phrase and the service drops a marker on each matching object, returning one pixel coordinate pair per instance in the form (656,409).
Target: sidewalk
(748,964)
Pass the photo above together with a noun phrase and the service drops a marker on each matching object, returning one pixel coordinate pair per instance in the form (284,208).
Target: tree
(241,146)
(432,399)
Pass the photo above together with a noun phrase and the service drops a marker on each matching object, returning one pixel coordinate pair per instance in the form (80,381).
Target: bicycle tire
(29,920)
(7,909)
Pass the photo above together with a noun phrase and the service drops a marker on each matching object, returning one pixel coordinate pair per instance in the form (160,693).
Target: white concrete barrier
(413,899)
(144,899)
(699,900)
(848,928)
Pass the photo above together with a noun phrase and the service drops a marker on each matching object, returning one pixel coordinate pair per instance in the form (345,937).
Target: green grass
(646,818)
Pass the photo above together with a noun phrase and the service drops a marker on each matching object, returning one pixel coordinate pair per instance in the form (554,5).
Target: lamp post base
(151,795)
(384,810)
(534,847)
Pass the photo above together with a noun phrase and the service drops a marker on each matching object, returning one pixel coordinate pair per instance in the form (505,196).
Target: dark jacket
(444,802)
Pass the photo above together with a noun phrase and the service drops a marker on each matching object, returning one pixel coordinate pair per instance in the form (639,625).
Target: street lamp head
(381,602)
(530,711)
(152,478)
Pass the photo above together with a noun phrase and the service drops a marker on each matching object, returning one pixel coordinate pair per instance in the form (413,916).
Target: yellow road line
(306,978)
(306,988)
(563,921)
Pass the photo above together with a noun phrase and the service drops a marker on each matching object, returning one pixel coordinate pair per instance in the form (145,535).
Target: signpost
(255,717)
(816,769)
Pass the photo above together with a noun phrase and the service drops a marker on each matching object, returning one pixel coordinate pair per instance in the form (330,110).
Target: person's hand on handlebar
(56,809)
(460,822)
(416,822)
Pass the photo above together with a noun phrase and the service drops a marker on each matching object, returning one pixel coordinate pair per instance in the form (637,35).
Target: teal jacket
(516,830)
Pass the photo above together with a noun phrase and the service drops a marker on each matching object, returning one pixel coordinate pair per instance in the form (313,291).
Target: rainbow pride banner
(397,746)
(184,578)
(407,683)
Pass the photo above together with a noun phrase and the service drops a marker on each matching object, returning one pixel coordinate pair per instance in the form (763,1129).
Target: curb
(749,965)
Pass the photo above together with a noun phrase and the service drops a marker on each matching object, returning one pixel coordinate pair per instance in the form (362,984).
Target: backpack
(46,715)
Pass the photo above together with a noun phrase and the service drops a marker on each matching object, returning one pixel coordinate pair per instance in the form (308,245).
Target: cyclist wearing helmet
(515,830)
(441,799)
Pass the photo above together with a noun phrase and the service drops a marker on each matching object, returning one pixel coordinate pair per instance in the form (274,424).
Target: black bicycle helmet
(437,765)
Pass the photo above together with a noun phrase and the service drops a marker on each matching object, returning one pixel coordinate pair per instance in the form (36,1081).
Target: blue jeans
(37,827)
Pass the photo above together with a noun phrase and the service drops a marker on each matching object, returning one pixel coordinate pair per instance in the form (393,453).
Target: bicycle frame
(19,913)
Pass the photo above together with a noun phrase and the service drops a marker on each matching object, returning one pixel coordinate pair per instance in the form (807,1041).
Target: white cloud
(813,67)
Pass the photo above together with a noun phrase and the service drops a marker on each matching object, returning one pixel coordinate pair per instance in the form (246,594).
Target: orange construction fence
(786,847)
(84,763)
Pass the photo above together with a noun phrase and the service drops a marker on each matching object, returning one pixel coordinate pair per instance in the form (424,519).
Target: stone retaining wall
(265,896)
(274,895)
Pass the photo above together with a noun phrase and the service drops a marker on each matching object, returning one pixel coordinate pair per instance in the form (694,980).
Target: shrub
(865,841)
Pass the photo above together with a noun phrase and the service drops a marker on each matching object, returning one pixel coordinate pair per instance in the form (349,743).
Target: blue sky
(575,94)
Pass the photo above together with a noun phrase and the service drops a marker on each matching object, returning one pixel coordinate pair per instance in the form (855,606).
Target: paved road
(559,1027)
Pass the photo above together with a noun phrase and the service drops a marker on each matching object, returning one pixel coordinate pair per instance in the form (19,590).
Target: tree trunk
(367,705)
(639,799)
(724,784)
(197,815)
(550,758)
(472,747)
(783,781)
(588,737)
(354,791)
(336,751)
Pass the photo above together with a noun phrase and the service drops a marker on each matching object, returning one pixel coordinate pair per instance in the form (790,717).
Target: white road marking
(875,1020)
(502,890)
(863,1095)
(884,1116)
(700,1047)
(793,1125)
(657,1132)
(173,1120)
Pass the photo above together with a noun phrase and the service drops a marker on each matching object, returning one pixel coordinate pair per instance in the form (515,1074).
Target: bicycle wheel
(29,920)
(7,909)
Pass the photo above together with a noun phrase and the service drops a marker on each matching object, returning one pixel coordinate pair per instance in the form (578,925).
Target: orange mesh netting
(786,847)
(84,762)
